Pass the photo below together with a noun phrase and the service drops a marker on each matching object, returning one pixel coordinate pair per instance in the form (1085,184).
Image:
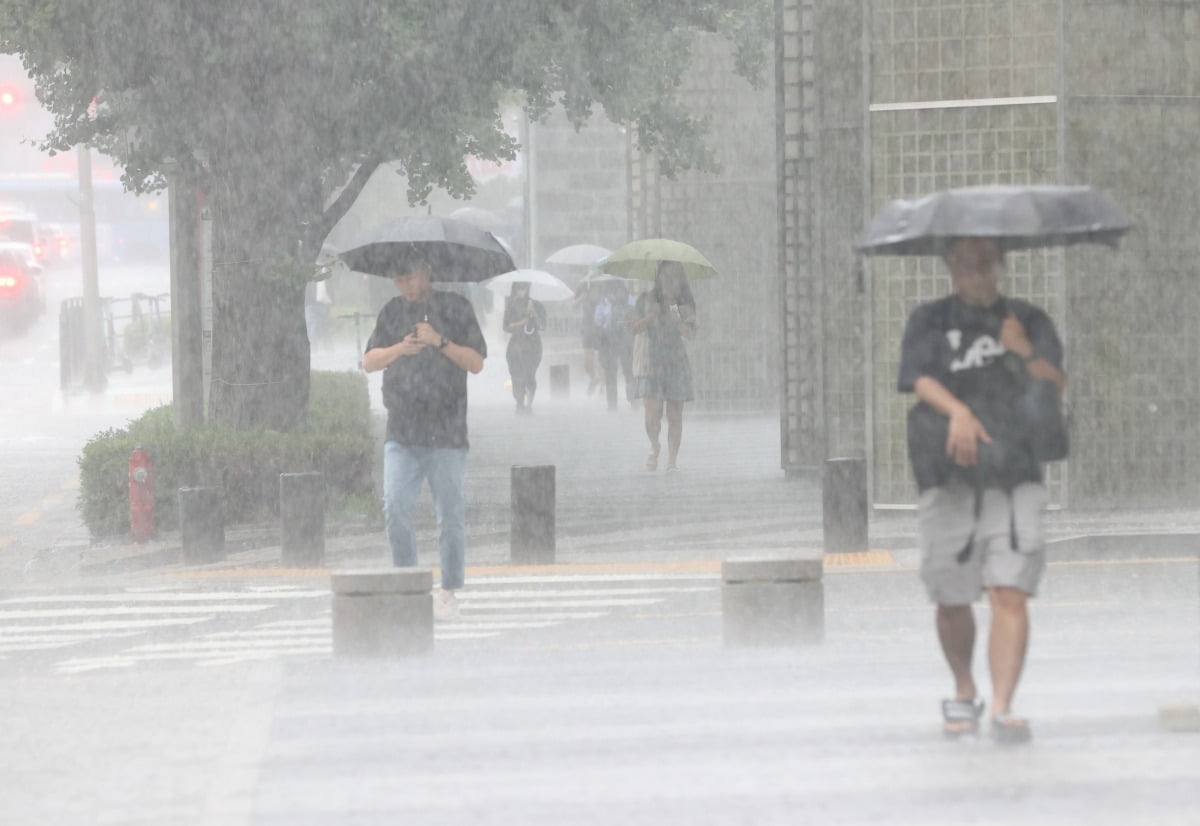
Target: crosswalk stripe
(468,596)
(490,606)
(150,596)
(99,625)
(6,644)
(559,579)
(126,610)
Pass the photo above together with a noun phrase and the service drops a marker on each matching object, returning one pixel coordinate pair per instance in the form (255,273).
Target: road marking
(489,608)
(59,639)
(27,518)
(1162,560)
(469,596)
(5,541)
(855,559)
(482,602)
(51,501)
(99,625)
(125,611)
(174,596)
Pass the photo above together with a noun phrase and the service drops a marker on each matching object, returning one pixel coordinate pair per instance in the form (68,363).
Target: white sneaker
(445,605)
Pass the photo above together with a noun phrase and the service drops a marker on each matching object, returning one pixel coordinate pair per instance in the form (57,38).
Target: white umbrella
(544,286)
(578,255)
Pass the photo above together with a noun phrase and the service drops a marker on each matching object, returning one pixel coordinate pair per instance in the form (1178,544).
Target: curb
(259,548)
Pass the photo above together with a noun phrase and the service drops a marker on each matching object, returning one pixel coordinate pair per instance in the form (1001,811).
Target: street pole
(529,199)
(187,352)
(95,354)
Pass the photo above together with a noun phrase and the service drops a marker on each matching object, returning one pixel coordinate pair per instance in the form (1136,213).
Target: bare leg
(654,411)
(1007,644)
(674,431)
(595,372)
(956,632)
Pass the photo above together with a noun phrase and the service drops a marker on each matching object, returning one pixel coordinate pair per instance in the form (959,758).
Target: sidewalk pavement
(729,499)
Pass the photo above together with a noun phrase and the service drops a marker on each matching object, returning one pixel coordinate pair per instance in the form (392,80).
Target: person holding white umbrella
(524,320)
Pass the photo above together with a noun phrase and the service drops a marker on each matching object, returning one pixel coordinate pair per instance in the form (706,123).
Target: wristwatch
(445,341)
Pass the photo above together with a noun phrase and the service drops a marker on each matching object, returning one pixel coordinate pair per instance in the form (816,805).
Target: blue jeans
(404,469)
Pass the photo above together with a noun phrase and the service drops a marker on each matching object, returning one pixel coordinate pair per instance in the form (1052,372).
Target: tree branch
(318,232)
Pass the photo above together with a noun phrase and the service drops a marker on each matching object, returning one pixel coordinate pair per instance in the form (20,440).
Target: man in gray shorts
(967,357)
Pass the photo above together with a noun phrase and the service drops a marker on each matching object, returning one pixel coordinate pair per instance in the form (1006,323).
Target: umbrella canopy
(477,217)
(578,255)
(596,278)
(1018,217)
(543,285)
(640,259)
(456,250)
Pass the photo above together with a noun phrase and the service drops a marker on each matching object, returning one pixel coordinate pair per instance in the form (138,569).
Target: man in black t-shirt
(981,495)
(426,342)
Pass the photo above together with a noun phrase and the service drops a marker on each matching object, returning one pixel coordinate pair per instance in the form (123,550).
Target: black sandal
(1008,730)
(961,718)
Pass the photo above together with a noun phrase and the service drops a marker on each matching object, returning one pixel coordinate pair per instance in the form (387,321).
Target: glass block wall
(730,217)
(944,77)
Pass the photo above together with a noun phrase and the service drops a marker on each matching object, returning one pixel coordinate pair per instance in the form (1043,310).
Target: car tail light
(11,280)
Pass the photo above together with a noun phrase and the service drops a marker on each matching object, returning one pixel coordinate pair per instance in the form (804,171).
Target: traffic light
(10,100)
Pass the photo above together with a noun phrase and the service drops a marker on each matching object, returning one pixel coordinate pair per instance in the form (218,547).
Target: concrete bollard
(844,498)
(382,613)
(560,381)
(201,526)
(772,601)
(301,519)
(531,539)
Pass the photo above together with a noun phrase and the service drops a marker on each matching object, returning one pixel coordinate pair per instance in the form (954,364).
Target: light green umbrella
(640,259)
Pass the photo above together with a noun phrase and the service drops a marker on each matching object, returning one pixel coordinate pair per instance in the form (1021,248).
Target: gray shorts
(947,518)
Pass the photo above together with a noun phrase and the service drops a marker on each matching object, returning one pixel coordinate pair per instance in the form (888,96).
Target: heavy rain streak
(610,412)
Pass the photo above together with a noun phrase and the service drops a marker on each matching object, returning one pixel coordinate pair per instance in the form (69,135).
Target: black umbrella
(1018,217)
(455,251)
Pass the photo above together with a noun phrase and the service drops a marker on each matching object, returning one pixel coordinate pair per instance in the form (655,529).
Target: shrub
(245,466)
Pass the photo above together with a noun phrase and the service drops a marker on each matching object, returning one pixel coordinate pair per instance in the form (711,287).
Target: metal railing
(136,332)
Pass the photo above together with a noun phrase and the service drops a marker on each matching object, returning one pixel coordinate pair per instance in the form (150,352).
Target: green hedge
(244,466)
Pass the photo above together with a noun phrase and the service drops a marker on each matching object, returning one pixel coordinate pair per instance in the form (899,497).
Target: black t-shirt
(959,345)
(426,394)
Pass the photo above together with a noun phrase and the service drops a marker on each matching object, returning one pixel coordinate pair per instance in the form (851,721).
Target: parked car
(22,295)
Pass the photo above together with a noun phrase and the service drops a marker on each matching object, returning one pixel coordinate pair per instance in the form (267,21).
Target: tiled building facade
(881,99)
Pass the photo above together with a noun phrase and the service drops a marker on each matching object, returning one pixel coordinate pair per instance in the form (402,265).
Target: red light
(10,99)
(8,282)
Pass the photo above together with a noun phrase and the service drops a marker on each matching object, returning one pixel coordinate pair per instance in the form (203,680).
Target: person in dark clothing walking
(969,357)
(426,342)
(615,339)
(524,319)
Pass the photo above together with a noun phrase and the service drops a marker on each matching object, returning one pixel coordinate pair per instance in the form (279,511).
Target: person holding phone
(426,341)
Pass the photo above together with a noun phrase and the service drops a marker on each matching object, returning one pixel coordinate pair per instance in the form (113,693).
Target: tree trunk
(260,350)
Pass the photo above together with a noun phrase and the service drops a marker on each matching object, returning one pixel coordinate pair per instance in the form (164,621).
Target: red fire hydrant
(141,496)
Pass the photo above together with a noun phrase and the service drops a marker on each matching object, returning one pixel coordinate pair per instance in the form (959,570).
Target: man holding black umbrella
(968,358)
(426,342)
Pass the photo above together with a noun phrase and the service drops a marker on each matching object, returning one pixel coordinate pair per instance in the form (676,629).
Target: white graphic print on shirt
(980,354)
